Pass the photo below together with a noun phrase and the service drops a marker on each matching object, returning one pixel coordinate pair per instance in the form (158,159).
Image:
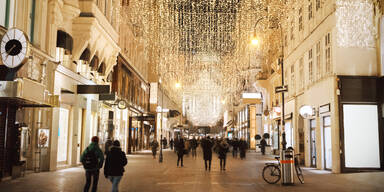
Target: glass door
(312,130)
(63,136)
(327,143)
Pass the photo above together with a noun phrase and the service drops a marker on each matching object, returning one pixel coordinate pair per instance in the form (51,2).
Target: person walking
(171,144)
(263,143)
(193,147)
(92,159)
(235,147)
(114,165)
(187,147)
(180,151)
(107,146)
(223,150)
(243,148)
(154,146)
(207,145)
(164,143)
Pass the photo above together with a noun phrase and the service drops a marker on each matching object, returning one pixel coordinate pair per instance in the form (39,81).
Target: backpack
(90,160)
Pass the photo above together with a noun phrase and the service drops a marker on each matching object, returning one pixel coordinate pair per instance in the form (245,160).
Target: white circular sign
(306,111)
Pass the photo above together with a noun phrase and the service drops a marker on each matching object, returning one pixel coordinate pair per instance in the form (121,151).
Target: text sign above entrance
(93,89)
(280,89)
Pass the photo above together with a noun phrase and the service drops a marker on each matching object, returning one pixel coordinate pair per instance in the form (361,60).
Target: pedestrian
(171,144)
(193,147)
(164,143)
(242,147)
(207,145)
(235,147)
(223,150)
(114,165)
(187,147)
(92,159)
(154,146)
(263,143)
(108,144)
(180,151)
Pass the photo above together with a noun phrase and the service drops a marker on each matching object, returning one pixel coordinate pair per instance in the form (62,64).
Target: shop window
(362,146)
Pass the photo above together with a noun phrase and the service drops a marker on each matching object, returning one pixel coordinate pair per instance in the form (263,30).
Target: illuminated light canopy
(251,96)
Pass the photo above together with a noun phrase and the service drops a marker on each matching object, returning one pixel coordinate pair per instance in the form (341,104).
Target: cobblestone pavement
(146,174)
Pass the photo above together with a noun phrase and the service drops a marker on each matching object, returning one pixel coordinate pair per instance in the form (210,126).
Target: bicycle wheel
(271,174)
(299,174)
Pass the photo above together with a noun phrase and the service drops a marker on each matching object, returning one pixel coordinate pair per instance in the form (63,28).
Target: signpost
(280,89)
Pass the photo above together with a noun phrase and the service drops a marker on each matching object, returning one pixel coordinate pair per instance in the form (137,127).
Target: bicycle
(272,173)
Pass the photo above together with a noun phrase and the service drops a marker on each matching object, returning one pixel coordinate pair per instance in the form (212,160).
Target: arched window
(101,69)
(94,63)
(64,40)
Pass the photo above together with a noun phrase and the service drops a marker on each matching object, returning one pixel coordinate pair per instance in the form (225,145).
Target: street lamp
(177,85)
(255,41)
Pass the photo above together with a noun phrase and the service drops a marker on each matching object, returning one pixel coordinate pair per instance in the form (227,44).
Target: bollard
(287,166)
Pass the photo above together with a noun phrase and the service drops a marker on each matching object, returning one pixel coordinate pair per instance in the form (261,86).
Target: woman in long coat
(243,148)
(207,145)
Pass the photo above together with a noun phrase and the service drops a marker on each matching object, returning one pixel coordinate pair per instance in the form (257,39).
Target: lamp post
(281,63)
(162,111)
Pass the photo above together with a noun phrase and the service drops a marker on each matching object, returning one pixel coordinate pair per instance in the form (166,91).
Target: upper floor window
(310,13)
(318,4)
(318,60)
(292,28)
(328,53)
(301,73)
(300,19)
(310,66)
(293,78)
(7,10)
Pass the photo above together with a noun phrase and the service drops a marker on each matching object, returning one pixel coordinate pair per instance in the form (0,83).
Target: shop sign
(43,138)
(325,108)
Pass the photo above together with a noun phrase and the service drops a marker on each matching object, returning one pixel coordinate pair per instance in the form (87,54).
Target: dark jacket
(207,145)
(263,143)
(115,162)
(180,146)
(223,149)
(94,147)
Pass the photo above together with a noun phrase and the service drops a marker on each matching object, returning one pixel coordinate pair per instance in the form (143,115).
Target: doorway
(312,141)
(327,142)
(62,143)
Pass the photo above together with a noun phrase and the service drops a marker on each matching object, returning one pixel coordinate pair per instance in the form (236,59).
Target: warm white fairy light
(354,23)
(207,44)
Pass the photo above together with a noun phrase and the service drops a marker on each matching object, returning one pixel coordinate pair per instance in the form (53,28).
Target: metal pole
(161,126)
(283,141)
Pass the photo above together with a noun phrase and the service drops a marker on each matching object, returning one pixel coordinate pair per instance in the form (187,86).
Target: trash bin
(287,166)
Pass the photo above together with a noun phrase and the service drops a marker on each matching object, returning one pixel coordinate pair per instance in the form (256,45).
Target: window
(32,21)
(301,73)
(7,11)
(310,66)
(286,41)
(328,53)
(292,28)
(293,78)
(310,14)
(318,3)
(300,19)
(318,60)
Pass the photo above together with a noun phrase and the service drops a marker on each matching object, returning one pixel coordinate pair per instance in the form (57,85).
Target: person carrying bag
(114,165)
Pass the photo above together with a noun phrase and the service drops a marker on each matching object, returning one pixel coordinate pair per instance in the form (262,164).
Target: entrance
(312,144)
(327,142)
(63,136)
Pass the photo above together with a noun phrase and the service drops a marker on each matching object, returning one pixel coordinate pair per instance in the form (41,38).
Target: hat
(95,139)
(116,143)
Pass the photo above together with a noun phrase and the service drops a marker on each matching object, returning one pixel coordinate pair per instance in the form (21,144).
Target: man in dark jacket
(114,165)
(180,151)
(193,147)
(207,145)
(92,159)
(223,149)
(263,143)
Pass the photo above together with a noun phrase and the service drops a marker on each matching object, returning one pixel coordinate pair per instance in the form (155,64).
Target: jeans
(210,161)
(193,152)
(180,157)
(88,176)
(222,163)
(115,182)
